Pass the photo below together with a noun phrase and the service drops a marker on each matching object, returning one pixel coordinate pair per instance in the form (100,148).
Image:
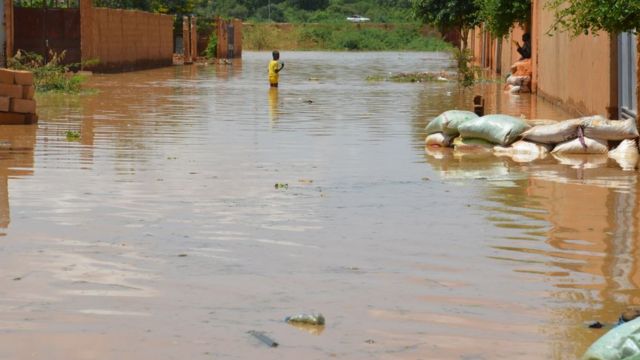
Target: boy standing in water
(275,66)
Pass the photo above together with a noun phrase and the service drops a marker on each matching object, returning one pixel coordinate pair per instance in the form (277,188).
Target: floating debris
(279,186)
(596,325)
(264,338)
(309,319)
(416,77)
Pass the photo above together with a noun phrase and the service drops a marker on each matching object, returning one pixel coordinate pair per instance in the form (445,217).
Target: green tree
(446,15)
(501,15)
(309,5)
(584,16)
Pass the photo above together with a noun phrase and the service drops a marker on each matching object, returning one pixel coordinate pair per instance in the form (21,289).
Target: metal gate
(46,30)
(627,75)
(230,40)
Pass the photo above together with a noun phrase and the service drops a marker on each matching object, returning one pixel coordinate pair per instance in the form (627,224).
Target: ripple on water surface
(160,233)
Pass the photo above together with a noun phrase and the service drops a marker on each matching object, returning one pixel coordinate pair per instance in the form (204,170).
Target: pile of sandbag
(587,135)
(17,90)
(506,135)
(520,79)
(444,128)
(469,130)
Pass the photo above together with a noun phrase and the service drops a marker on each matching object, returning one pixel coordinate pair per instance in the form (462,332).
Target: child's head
(276,55)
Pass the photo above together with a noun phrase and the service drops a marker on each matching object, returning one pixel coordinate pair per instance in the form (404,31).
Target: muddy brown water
(160,234)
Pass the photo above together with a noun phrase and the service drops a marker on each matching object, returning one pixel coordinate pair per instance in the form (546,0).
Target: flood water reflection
(160,233)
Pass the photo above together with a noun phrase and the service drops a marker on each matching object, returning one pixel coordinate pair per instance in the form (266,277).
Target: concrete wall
(125,39)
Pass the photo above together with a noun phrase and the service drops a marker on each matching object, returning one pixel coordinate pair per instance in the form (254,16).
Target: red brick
(4,103)
(23,106)
(28,92)
(7,118)
(31,118)
(7,76)
(12,91)
(23,77)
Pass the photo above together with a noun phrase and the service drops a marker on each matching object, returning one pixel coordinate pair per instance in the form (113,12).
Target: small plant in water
(466,70)
(282,186)
(50,75)
(72,135)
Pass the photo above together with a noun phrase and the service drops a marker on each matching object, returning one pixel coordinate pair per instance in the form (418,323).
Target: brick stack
(17,105)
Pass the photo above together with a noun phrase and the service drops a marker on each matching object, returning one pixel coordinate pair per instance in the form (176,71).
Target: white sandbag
(553,134)
(538,122)
(472,145)
(619,343)
(438,139)
(523,147)
(587,146)
(516,80)
(523,151)
(598,127)
(626,155)
(514,89)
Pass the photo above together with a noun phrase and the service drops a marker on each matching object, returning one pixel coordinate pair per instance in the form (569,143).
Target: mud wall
(8,28)
(581,73)
(125,39)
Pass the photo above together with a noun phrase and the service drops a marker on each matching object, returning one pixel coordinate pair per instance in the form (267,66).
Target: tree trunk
(464,36)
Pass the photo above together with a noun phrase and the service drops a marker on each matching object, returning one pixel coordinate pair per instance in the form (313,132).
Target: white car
(358,18)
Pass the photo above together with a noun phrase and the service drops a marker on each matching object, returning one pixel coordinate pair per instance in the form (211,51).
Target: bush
(212,46)
(51,75)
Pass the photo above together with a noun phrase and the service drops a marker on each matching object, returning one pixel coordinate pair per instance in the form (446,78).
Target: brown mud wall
(8,27)
(580,73)
(125,39)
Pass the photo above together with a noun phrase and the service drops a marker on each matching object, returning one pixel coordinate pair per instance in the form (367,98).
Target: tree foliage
(459,15)
(501,15)
(584,16)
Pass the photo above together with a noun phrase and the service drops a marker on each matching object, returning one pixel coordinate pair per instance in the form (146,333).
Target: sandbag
(523,151)
(449,121)
(619,343)
(538,122)
(587,146)
(522,147)
(438,139)
(472,145)
(516,80)
(626,155)
(553,134)
(600,128)
(497,129)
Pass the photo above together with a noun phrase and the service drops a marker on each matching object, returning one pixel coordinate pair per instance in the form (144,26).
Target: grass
(341,36)
(50,75)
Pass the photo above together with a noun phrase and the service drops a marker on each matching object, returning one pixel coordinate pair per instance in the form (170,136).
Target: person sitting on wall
(525,49)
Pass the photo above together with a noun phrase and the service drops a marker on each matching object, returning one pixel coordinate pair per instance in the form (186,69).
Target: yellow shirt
(273,75)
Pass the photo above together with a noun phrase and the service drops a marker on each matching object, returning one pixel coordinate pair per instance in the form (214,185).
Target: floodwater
(161,234)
